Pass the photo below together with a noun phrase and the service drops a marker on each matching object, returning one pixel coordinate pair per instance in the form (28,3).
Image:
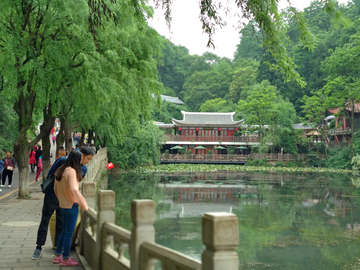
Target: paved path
(19,221)
(13,191)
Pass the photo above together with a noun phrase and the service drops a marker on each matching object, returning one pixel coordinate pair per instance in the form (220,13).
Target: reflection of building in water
(195,210)
(209,192)
(195,200)
(229,177)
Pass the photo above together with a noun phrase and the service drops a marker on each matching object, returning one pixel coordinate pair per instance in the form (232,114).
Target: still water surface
(286,221)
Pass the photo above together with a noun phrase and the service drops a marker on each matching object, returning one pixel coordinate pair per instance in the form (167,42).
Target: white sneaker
(9,185)
(2,186)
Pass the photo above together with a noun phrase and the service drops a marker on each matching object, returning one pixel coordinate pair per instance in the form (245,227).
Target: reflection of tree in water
(133,186)
(302,225)
(286,221)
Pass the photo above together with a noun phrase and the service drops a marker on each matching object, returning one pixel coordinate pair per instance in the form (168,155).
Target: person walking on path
(40,167)
(37,155)
(53,139)
(32,160)
(9,168)
(67,191)
(1,170)
(51,203)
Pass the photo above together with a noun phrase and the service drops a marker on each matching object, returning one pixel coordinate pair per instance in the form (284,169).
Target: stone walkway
(19,221)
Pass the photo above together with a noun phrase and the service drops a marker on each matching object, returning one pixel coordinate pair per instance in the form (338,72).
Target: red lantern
(179,128)
(235,129)
(109,166)
(219,129)
(197,129)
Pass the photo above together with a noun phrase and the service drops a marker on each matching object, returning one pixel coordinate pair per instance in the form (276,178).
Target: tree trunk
(67,133)
(21,151)
(91,136)
(45,130)
(24,107)
(104,141)
(99,142)
(82,139)
(61,135)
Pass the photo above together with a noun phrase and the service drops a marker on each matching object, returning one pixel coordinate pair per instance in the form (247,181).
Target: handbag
(48,184)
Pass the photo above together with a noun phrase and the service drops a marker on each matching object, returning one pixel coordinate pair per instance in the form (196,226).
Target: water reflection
(286,221)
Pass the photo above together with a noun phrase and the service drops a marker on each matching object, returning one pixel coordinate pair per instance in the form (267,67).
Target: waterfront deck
(226,159)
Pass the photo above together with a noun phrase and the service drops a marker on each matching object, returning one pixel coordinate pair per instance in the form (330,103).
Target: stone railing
(103,245)
(98,161)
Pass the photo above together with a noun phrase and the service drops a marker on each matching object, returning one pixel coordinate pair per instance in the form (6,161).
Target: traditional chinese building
(209,131)
(342,129)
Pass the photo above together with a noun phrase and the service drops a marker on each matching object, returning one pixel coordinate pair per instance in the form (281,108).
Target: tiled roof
(348,108)
(174,100)
(207,119)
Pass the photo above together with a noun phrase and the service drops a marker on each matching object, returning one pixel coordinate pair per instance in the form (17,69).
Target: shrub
(189,152)
(317,148)
(231,149)
(340,158)
(166,151)
(258,162)
(210,152)
(279,164)
(314,160)
(290,164)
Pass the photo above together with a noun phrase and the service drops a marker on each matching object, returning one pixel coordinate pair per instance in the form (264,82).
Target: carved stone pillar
(88,191)
(105,213)
(142,218)
(220,235)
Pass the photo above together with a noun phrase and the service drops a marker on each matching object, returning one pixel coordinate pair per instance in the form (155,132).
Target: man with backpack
(51,202)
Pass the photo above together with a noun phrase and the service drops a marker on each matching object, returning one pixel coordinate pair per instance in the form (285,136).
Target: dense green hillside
(212,83)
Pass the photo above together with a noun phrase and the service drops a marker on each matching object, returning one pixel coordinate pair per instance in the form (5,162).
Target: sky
(186,27)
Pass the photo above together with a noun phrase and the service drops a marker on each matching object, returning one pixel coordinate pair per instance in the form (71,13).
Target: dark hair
(8,151)
(61,147)
(77,145)
(39,147)
(86,150)
(73,161)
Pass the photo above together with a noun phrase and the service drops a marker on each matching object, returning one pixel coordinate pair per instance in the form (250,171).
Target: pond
(286,221)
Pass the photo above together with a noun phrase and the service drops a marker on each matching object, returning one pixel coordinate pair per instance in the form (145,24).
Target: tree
(51,61)
(315,108)
(38,42)
(217,105)
(269,22)
(343,85)
(244,78)
(259,104)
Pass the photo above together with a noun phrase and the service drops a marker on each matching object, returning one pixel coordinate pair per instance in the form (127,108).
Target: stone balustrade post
(142,218)
(220,235)
(105,213)
(88,191)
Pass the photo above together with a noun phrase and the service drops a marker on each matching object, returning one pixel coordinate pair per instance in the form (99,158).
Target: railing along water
(103,244)
(231,158)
